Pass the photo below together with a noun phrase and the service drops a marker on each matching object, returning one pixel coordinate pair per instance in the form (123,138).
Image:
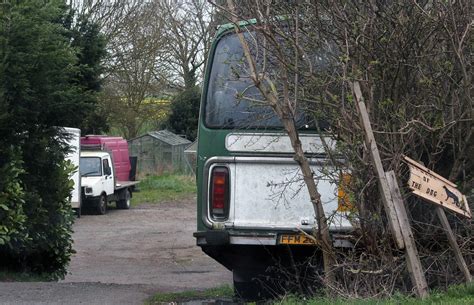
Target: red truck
(105,172)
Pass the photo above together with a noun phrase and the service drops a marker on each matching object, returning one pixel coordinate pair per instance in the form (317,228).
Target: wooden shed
(158,152)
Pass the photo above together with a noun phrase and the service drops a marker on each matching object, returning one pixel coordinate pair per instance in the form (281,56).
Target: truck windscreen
(232,100)
(90,166)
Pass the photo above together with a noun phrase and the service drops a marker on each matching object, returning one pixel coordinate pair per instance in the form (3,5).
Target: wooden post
(452,241)
(396,213)
(375,155)
(411,253)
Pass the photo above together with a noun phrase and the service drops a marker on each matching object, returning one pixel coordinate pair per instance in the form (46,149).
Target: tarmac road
(125,256)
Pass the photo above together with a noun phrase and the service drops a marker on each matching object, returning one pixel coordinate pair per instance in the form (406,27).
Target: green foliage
(89,45)
(36,216)
(224,291)
(185,113)
(54,70)
(47,79)
(13,233)
(50,217)
(167,187)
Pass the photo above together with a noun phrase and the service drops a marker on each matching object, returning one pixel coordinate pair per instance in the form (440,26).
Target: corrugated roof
(167,137)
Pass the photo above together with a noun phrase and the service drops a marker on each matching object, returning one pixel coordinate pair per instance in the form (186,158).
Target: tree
(148,60)
(89,45)
(134,72)
(186,35)
(183,118)
(108,15)
(40,88)
(187,40)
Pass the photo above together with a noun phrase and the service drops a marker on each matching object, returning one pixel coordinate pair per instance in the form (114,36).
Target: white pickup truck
(105,171)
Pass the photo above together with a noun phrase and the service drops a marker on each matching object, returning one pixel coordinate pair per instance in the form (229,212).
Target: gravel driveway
(126,256)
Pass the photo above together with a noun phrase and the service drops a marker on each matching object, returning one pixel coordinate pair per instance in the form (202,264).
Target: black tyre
(246,291)
(264,284)
(101,207)
(124,203)
(248,287)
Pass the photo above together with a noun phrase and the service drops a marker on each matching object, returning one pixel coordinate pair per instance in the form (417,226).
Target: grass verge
(219,292)
(460,294)
(166,187)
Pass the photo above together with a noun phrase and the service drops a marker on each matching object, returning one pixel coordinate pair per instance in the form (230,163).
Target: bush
(35,214)
(50,216)
(43,84)
(13,233)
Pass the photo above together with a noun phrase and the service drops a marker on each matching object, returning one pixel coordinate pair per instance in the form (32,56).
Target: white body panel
(74,157)
(269,193)
(95,183)
(274,143)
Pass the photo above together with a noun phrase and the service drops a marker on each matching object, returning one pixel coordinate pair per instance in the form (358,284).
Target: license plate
(296,239)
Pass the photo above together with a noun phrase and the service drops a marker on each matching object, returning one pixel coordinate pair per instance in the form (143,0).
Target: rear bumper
(253,257)
(220,238)
(223,237)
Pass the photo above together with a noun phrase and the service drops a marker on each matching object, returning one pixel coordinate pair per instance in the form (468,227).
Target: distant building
(158,152)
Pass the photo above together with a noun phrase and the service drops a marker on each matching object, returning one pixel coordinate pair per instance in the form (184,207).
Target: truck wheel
(124,203)
(101,207)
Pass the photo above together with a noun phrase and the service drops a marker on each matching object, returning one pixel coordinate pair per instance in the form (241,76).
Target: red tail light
(219,192)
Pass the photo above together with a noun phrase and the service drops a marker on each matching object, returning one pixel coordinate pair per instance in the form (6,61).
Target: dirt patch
(125,256)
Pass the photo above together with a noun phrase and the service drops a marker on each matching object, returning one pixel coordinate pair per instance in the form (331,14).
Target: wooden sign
(436,189)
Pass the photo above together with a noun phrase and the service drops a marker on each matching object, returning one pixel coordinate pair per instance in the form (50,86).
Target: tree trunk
(308,176)
(189,77)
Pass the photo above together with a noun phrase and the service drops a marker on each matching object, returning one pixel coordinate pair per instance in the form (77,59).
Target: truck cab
(97,178)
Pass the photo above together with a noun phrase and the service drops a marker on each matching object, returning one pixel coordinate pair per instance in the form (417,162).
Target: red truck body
(117,147)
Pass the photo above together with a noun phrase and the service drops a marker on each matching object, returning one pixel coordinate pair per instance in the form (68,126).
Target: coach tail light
(219,193)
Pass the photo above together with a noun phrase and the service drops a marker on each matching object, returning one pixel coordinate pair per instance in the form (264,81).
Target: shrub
(43,84)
